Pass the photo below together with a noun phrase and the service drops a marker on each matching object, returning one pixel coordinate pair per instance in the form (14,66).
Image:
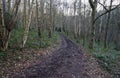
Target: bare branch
(106,12)
(103,6)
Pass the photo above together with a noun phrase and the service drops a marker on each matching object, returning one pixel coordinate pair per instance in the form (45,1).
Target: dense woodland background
(95,24)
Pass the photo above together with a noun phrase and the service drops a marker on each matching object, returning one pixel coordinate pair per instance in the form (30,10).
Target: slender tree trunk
(37,15)
(75,25)
(2,27)
(4,5)
(11,24)
(106,31)
(53,18)
(107,26)
(27,26)
(9,5)
(84,35)
(24,15)
(100,30)
(41,26)
(92,40)
(93,5)
(51,26)
(37,22)
(100,27)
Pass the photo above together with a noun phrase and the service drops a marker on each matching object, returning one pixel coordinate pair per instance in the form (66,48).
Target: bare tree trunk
(53,21)
(37,15)
(24,15)
(27,25)
(106,31)
(93,5)
(2,27)
(10,26)
(9,5)
(84,35)
(37,22)
(4,5)
(41,25)
(107,26)
(50,19)
(100,30)
(100,27)
(92,40)
(75,25)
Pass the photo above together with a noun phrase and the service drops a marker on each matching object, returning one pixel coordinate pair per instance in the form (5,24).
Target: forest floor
(16,59)
(68,60)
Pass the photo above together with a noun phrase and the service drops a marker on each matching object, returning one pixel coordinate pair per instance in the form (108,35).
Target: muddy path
(69,61)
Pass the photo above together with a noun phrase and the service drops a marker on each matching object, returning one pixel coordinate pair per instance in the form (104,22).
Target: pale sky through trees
(70,3)
(86,1)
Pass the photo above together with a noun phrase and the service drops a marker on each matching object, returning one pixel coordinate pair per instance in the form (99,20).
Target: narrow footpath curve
(69,61)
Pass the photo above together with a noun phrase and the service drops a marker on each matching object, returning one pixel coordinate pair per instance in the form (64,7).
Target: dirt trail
(69,61)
